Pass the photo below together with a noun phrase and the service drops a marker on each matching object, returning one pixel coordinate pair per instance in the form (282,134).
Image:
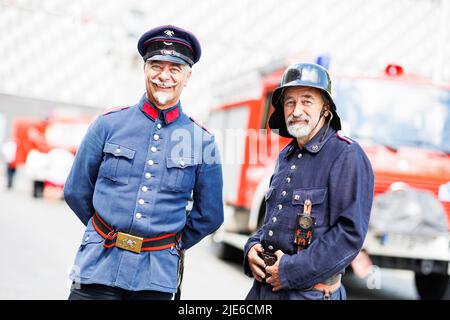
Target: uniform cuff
(283,271)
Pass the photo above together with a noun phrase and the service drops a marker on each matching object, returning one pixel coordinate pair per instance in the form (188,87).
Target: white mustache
(163,84)
(301,118)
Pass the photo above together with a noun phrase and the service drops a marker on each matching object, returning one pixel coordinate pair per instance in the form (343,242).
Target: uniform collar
(314,145)
(167,116)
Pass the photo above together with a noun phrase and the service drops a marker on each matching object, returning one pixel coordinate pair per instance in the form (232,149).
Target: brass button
(144,189)
(141,201)
(284,193)
(315,147)
(297,197)
(274,219)
(159,126)
(153,149)
(182,163)
(280,206)
(148,175)
(293,167)
(138,215)
(300,155)
(117,150)
(288,179)
(156,137)
(270,233)
(150,162)
(270,247)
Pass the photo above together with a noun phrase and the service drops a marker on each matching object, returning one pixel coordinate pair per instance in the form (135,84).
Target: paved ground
(39,239)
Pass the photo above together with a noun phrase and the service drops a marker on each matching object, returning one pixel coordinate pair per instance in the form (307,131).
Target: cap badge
(169,33)
(168,52)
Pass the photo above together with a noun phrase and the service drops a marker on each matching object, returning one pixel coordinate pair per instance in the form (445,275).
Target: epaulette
(115,109)
(200,125)
(341,136)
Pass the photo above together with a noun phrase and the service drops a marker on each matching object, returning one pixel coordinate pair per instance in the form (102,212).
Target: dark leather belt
(130,242)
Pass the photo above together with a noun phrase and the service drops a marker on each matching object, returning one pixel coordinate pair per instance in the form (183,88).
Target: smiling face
(302,112)
(165,81)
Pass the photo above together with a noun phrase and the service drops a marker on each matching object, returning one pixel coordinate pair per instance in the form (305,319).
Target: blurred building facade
(84,52)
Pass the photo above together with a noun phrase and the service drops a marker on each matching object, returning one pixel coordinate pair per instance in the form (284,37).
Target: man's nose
(298,110)
(164,74)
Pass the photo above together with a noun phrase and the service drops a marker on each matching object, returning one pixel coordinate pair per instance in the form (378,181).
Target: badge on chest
(305,227)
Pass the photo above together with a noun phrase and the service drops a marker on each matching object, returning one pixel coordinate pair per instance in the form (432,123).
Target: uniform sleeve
(80,184)
(207,214)
(350,190)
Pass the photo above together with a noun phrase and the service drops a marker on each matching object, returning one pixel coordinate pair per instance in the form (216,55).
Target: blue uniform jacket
(137,167)
(337,177)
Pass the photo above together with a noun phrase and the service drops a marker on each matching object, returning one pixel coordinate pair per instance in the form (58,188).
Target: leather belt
(130,242)
(329,286)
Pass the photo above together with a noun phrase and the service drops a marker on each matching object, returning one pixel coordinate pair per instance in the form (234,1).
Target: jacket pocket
(164,268)
(180,174)
(317,196)
(89,252)
(117,162)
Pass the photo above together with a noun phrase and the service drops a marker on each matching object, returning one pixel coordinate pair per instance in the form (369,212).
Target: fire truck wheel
(432,286)
(38,189)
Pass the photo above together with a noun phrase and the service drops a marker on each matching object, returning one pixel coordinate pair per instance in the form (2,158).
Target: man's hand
(274,279)
(255,262)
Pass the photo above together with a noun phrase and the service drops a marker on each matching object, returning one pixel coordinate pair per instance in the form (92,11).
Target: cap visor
(167,58)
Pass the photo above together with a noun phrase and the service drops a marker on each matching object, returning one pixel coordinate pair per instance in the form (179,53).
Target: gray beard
(299,130)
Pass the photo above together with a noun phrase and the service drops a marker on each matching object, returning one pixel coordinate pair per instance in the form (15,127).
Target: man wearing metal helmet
(133,175)
(319,200)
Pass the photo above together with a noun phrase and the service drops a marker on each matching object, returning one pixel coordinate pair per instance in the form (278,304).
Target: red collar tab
(150,110)
(168,116)
(171,114)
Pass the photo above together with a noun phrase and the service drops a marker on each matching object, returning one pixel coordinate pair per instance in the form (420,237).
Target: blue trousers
(102,292)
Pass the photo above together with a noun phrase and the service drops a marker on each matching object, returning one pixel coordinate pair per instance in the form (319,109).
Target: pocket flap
(316,195)
(180,162)
(118,150)
(91,236)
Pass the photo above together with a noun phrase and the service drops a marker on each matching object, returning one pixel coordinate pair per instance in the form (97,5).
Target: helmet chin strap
(328,127)
(322,112)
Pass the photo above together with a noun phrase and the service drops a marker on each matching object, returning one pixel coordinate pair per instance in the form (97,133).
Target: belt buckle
(129,242)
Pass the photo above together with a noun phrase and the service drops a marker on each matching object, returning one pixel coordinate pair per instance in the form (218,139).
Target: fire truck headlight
(444,192)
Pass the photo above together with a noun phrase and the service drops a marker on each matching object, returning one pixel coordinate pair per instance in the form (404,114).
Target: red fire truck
(46,148)
(403,123)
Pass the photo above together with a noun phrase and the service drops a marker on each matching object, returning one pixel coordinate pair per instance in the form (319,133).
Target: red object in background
(394,70)
(28,134)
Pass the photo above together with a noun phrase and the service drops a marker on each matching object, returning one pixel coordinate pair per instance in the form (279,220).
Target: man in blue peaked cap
(132,177)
